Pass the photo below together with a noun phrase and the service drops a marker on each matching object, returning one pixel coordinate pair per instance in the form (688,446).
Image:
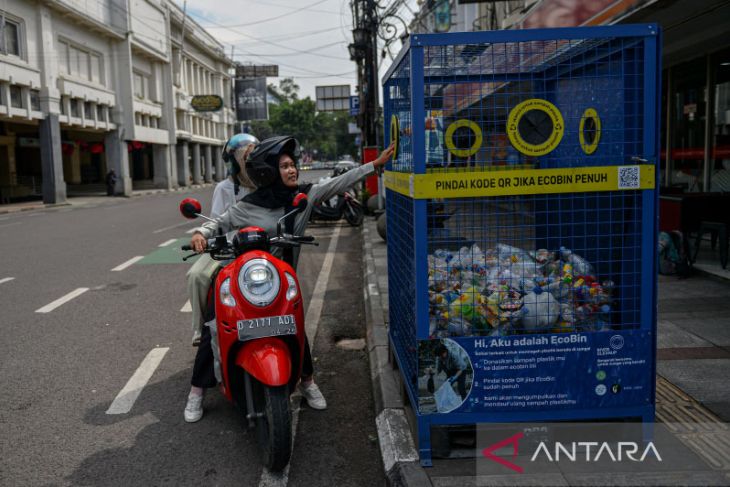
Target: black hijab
(277,194)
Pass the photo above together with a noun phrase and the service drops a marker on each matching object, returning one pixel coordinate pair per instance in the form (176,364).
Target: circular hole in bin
(589,130)
(535,127)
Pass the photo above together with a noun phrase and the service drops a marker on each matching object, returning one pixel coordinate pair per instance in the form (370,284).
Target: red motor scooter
(257,331)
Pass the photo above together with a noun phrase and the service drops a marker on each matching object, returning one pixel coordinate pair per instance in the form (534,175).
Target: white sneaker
(194,408)
(313,395)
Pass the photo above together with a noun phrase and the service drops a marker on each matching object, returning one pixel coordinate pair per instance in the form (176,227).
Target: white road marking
(171,227)
(2,219)
(187,307)
(73,294)
(131,261)
(124,401)
(6,279)
(311,320)
(165,244)
(10,224)
(191,230)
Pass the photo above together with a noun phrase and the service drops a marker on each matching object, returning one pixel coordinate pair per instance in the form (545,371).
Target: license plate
(269,326)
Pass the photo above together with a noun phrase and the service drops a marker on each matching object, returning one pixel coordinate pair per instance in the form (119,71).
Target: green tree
(324,132)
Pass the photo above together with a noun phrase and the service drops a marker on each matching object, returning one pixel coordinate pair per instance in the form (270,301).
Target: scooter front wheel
(273,428)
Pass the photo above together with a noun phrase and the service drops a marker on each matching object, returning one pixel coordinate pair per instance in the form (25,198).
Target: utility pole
(364,51)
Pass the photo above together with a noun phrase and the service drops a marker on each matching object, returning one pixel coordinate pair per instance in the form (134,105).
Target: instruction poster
(522,373)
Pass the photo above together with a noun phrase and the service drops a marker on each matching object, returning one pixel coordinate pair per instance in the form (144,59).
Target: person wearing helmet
(237,185)
(226,194)
(272,167)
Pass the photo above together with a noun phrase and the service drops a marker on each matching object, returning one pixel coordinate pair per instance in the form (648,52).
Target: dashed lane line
(6,279)
(62,300)
(311,320)
(10,224)
(164,229)
(191,230)
(126,264)
(168,242)
(187,307)
(124,401)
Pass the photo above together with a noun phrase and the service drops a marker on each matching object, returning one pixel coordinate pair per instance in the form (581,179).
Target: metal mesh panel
(401,281)
(532,264)
(482,83)
(398,94)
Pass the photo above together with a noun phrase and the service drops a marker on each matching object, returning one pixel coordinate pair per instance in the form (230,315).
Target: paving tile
(670,335)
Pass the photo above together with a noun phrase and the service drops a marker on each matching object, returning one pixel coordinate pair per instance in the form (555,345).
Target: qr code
(628,177)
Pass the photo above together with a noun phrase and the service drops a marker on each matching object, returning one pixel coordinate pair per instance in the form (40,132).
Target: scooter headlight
(225,293)
(259,282)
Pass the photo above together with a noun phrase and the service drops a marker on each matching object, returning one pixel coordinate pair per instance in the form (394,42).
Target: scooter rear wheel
(273,429)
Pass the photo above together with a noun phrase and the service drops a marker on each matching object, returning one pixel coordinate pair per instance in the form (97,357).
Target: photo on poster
(445,376)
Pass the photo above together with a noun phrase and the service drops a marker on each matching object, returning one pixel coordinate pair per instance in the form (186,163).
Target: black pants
(203,374)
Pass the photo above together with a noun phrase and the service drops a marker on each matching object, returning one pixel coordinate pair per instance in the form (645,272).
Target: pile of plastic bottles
(507,291)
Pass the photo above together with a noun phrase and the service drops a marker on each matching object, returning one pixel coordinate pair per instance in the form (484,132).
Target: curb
(134,194)
(399,455)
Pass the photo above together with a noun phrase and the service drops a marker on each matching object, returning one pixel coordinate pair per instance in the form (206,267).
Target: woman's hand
(384,156)
(198,242)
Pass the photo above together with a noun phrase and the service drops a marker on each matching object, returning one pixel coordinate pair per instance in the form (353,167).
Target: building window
(141,85)
(88,113)
(74,108)
(80,62)
(95,68)
(16,97)
(11,38)
(35,100)
(137,119)
(100,113)
(63,105)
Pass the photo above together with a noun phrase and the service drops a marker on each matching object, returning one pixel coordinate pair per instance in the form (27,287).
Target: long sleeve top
(244,214)
(224,196)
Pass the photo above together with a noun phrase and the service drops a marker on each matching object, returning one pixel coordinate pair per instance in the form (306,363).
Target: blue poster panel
(535,372)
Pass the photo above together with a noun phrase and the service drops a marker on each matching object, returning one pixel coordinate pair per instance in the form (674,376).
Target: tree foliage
(324,132)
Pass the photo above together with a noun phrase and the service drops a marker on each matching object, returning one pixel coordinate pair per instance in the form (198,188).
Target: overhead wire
(273,44)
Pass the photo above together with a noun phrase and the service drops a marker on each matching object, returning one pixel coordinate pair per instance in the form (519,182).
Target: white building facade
(87,86)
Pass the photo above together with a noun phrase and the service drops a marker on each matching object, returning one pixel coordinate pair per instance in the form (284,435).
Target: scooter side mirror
(300,202)
(190,208)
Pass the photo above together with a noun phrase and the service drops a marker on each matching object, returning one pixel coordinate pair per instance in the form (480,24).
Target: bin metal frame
(408,238)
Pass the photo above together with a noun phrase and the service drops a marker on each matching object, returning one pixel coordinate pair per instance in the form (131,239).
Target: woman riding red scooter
(272,167)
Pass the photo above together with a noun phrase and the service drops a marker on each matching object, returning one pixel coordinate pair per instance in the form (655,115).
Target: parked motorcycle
(343,205)
(257,328)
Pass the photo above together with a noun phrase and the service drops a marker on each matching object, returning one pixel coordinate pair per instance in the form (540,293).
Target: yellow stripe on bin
(521,181)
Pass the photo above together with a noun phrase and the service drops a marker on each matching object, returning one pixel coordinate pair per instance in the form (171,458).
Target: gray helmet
(233,150)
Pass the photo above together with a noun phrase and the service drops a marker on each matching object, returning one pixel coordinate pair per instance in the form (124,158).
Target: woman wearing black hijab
(272,167)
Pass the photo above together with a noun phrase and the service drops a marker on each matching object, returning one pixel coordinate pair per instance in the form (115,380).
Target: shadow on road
(165,450)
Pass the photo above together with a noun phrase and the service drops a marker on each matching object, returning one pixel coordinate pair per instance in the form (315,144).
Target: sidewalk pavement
(83,199)
(693,364)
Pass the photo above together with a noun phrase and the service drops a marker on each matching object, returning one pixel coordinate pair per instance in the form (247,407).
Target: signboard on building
(355,105)
(257,70)
(206,103)
(442,16)
(333,98)
(251,99)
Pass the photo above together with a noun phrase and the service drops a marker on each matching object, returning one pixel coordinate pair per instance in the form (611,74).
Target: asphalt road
(61,370)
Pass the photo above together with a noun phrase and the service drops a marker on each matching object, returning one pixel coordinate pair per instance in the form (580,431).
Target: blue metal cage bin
(522,222)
